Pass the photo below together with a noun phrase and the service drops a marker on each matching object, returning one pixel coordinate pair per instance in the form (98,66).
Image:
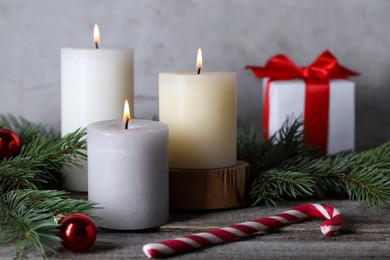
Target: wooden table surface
(365,234)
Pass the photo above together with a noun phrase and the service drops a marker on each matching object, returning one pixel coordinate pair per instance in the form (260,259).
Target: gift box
(321,94)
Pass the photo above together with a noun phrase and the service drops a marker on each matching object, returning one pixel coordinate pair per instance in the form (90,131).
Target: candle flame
(126,112)
(96,35)
(199,60)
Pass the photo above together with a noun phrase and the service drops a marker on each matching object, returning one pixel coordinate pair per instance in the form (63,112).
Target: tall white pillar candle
(128,173)
(200,110)
(94,83)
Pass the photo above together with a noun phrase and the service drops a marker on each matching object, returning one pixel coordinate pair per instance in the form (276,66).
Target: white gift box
(287,99)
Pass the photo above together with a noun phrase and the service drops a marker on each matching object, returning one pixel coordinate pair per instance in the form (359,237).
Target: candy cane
(216,236)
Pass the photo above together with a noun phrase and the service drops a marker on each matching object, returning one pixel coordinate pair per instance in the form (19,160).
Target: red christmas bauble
(78,232)
(9,143)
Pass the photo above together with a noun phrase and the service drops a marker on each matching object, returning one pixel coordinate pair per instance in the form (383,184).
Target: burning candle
(200,109)
(128,173)
(93,85)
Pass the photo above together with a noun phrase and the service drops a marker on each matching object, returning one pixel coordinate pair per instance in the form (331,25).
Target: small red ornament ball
(78,232)
(9,143)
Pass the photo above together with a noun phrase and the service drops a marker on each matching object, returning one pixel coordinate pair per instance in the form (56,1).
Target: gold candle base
(199,189)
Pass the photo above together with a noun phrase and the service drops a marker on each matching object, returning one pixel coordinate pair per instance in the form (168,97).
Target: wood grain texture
(365,234)
(209,188)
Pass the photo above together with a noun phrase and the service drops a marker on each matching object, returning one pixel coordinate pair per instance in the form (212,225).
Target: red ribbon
(316,78)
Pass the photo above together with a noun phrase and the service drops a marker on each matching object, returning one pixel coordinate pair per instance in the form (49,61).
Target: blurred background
(165,36)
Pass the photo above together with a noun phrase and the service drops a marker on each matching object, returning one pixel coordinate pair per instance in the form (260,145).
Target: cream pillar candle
(200,110)
(128,173)
(94,83)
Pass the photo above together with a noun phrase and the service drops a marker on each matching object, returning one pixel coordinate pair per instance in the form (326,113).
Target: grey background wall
(166,34)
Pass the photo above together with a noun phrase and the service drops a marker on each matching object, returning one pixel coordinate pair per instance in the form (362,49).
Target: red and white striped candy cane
(216,236)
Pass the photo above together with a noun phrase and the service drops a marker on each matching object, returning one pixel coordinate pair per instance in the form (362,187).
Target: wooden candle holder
(199,189)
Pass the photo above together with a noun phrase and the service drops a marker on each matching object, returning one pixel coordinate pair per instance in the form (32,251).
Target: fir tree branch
(21,173)
(26,210)
(57,151)
(25,226)
(370,185)
(27,218)
(365,176)
(41,160)
(53,201)
(286,145)
(328,172)
(274,185)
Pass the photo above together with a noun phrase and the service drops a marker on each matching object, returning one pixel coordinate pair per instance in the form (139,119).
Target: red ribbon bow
(324,67)
(316,77)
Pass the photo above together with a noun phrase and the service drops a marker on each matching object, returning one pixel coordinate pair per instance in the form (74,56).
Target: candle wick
(127,124)
(199,70)
(96,45)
